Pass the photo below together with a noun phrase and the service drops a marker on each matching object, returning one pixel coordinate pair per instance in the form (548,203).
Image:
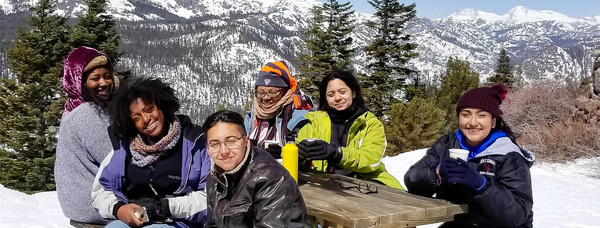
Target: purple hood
(73,73)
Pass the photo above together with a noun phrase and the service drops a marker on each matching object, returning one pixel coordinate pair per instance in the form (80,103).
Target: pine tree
(31,103)
(458,79)
(97,29)
(503,71)
(388,53)
(328,44)
(596,74)
(421,86)
(339,18)
(412,126)
(316,62)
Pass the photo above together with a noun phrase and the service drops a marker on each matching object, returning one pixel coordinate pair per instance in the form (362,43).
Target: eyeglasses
(271,93)
(362,187)
(230,142)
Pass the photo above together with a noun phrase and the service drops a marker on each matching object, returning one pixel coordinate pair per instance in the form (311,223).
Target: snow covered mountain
(516,15)
(210,50)
(136,10)
(541,43)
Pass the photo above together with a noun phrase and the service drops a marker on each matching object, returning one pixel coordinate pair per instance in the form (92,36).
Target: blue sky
(442,8)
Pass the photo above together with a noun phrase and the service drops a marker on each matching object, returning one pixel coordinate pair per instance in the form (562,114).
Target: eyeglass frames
(362,187)
(230,142)
(270,93)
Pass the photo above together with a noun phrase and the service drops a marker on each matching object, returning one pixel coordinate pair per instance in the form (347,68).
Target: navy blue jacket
(187,204)
(507,199)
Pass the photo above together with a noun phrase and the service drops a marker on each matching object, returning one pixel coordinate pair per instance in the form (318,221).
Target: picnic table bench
(344,202)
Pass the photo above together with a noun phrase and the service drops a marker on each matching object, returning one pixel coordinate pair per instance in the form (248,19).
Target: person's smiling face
(475,124)
(267,96)
(100,83)
(227,144)
(339,95)
(148,118)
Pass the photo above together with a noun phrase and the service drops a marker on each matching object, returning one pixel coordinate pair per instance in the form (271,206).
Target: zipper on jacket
(189,168)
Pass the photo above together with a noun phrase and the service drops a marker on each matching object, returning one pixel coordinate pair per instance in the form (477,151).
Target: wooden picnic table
(344,202)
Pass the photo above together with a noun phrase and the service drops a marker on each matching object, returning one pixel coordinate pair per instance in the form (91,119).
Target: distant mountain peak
(521,14)
(473,15)
(517,15)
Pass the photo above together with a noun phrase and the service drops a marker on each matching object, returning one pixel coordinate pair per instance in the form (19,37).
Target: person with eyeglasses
(278,109)
(156,174)
(246,187)
(343,137)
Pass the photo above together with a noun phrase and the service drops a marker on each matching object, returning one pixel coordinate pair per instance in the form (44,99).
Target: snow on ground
(565,195)
(38,210)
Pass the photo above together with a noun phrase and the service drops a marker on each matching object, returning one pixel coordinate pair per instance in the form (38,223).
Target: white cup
(459,153)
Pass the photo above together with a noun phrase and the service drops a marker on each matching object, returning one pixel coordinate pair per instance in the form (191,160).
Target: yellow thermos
(289,154)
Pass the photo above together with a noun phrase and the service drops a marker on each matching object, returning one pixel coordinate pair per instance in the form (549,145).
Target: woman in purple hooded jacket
(83,140)
(159,164)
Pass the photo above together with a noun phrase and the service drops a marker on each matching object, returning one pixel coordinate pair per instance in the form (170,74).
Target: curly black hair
(349,79)
(225,116)
(150,90)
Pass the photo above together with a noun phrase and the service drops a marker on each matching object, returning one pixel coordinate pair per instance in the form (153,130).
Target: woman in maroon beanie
(494,179)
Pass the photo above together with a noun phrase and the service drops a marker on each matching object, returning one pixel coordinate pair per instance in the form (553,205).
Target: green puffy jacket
(365,147)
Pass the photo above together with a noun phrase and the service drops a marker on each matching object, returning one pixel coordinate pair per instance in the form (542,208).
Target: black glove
(459,172)
(441,171)
(319,150)
(274,150)
(157,209)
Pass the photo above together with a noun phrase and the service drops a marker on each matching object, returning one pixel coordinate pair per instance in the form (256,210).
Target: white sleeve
(103,200)
(188,205)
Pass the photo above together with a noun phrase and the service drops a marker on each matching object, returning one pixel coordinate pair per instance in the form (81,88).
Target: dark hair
(349,79)
(503,126)
(150,90)
(85,94)
(225,116)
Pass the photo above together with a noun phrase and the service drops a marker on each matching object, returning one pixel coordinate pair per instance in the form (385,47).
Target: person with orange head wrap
(278,109)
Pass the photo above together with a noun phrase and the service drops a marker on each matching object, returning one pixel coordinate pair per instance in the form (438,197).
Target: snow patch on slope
(6,6)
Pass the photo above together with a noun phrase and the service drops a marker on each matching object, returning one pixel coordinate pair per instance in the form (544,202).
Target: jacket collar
(502,146)
(229,179)
(322,118)
(475,150)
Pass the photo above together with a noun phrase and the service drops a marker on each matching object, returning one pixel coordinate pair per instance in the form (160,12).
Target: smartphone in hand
(141,214)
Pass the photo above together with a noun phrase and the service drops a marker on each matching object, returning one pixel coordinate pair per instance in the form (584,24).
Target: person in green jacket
(343,137)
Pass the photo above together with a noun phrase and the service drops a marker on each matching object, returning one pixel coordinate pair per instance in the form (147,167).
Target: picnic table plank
(329,198)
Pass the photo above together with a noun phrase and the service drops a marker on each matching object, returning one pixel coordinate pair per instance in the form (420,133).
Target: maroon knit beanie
(484,98)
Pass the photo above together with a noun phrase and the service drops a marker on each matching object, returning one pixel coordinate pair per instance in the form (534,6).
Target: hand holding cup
(459,153)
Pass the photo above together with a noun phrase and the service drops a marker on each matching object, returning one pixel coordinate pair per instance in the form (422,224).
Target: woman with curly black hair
(158,168)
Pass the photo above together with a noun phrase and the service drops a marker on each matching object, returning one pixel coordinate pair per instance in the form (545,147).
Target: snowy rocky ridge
(210,50)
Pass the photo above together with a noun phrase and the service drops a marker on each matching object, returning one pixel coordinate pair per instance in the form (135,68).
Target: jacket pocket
(237,215)
(237,206)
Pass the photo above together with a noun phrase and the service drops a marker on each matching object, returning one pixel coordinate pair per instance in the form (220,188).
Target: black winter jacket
(506,201)
(260,194)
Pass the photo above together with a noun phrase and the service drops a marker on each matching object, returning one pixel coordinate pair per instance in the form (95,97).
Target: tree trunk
(596,76)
